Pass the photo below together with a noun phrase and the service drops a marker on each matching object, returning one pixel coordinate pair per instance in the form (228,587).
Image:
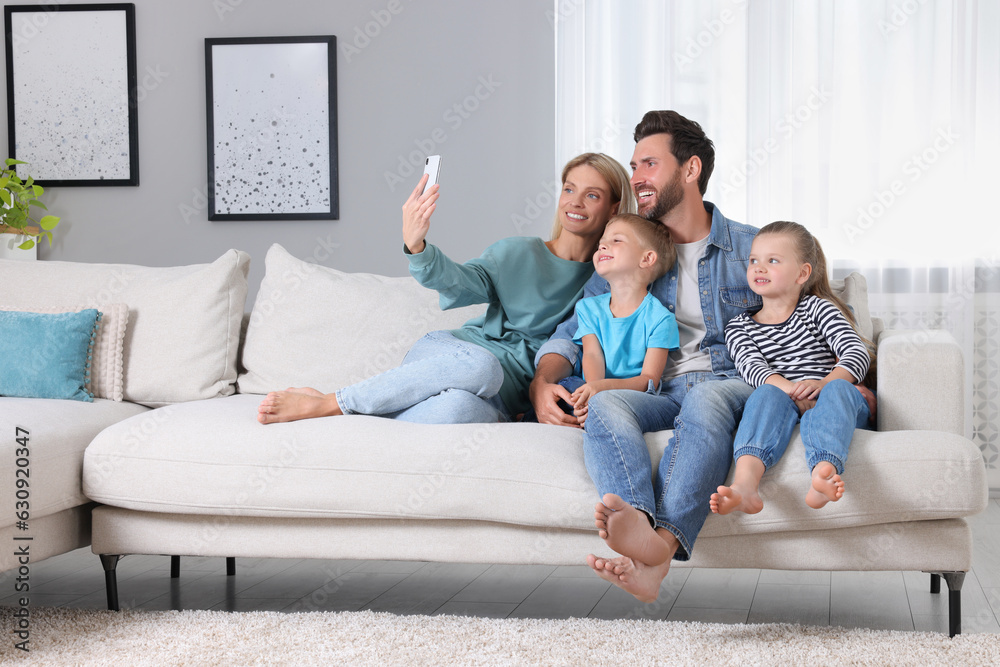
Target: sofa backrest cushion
(319,327)
(853,289)
(183,322)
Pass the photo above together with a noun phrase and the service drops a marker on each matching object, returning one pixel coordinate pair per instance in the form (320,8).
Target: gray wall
(394,90)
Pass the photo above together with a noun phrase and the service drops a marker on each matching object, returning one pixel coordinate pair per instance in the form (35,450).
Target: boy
(626,333)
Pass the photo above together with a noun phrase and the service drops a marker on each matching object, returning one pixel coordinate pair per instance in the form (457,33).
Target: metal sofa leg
(175,566)
(954,581)
(110,563)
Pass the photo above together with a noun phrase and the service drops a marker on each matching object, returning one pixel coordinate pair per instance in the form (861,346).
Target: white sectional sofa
(180,466)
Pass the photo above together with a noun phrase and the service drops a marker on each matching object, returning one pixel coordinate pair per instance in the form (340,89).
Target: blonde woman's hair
(613,172)
(653,235)
(809,251)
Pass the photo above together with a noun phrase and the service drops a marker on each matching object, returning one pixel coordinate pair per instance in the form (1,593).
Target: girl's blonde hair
(613,172)
(809,251)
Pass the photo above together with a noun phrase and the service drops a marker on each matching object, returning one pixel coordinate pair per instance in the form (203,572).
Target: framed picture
(71,93)
(272,128)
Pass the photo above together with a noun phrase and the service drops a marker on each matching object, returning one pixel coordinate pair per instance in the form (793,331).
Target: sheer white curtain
(875,124)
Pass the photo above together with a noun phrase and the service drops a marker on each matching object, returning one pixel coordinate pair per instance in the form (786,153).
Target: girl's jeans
(442,380)
(770,417)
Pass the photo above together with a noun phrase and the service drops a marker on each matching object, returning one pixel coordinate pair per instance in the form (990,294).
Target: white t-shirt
(690,318)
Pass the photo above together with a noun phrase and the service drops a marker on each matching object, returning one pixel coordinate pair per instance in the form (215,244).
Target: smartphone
(432,167)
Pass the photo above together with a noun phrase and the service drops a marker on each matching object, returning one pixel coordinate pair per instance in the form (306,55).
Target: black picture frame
(72,93)
(271,111)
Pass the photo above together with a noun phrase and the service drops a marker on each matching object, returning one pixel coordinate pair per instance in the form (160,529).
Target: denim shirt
(722,280)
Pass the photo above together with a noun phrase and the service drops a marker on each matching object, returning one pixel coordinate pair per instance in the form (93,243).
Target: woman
(481,372)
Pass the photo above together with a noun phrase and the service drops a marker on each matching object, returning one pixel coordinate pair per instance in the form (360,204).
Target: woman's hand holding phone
(417,213)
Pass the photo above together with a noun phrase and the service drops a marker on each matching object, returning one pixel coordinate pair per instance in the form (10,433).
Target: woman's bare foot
(827,486)
(309,391)
(287,406)
(628,531)
(732,499)
(640,580)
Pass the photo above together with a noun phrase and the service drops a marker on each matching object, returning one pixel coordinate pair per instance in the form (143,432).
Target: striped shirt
(814,340)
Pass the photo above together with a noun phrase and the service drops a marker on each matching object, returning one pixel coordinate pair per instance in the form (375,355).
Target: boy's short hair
(653,235)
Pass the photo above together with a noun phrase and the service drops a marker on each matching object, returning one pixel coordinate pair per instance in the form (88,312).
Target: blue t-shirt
(624,340)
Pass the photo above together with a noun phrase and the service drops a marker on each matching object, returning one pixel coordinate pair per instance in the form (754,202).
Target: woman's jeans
(442,380)
(770,417)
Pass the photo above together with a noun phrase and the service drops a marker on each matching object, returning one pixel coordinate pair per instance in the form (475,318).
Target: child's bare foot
(733,499)
(286,406)
(628,531)
(640,580)
(827,486)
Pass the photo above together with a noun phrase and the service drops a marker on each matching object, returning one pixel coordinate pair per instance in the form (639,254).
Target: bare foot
(732,499)
(306,390)
(640,580)
(286,406)
(827,486)
(627,531)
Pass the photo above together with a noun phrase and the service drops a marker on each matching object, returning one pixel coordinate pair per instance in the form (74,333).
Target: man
(648,519)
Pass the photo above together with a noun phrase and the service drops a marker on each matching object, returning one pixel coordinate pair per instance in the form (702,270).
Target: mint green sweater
(528,291)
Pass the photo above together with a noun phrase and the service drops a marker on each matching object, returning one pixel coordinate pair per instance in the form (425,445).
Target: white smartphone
(432,167)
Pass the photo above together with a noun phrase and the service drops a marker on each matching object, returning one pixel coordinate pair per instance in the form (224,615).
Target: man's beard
(666,200)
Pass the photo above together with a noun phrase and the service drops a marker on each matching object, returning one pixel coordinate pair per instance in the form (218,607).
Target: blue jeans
(703,409)
(827,429)
(442,380)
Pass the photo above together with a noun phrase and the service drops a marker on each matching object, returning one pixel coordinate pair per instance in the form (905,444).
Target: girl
(804,356)
(480,373)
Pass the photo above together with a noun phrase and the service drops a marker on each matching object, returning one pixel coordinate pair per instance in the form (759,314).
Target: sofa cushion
(107,370)
(57,434)
(853,289)
(50,355)
(315,326)
(212,457)
(184,321)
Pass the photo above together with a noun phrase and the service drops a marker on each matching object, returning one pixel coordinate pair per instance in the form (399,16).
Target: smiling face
(656,177)
(774,269)
(585,204)
(620,252)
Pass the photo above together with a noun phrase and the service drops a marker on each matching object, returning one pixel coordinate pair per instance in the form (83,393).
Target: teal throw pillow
(47,355)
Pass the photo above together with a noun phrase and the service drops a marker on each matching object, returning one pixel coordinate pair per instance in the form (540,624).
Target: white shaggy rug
(81,637)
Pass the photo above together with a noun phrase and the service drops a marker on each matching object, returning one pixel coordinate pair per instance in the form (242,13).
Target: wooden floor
(877,600)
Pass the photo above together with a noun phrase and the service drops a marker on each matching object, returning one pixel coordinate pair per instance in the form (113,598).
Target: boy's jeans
(827,429)
(442,380)
(703,409)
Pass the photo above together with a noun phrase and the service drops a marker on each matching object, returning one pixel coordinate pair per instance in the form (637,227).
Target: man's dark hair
(687,139)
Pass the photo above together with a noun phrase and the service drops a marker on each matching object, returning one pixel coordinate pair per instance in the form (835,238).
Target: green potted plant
(19,197)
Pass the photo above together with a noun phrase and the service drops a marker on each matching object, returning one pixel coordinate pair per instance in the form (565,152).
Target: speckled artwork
(70,94)
(271,129)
